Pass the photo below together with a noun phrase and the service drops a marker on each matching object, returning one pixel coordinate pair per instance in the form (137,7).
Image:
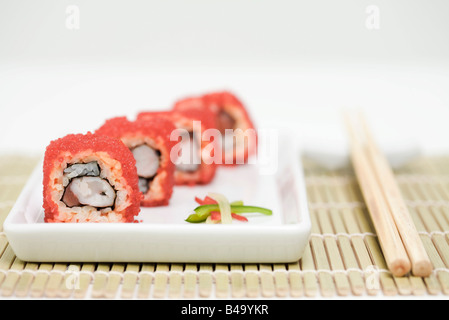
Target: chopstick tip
(400,267)
(422,268)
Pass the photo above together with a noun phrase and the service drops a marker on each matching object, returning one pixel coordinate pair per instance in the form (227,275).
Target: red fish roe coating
(205,116)
(214,102)
(191,103)
(178,117)
(74,144)
(120,126)
(158,130)
(184,119)
(217,103)
(219,100)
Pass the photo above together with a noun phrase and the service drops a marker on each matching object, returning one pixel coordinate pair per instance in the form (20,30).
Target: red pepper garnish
(199,201)
(207,200)
(215,216)
(239,217)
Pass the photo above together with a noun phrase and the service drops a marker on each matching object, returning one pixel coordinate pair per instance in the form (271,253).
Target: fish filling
(86,187)
(147,164)
(226,121)
(190,153)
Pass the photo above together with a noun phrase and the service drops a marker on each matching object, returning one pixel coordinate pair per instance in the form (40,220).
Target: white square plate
(162,234)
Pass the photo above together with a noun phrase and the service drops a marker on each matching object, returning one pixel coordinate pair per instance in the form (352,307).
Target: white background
(295,63)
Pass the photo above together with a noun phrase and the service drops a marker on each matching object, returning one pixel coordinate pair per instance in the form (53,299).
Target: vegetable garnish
(224,207)
(240,218)
(207,200)
(210,210)
(215,216)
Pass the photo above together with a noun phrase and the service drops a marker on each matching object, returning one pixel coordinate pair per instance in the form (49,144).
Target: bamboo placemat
(343,258)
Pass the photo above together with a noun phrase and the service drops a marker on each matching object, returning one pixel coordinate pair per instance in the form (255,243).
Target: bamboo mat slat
(343,257)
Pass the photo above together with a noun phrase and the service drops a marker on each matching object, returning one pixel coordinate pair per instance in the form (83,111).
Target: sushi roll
(89,178)
(232,120)
(149,142)
(194,164)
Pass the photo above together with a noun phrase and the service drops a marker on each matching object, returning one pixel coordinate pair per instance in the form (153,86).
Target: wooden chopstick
(390,241)
(420,262)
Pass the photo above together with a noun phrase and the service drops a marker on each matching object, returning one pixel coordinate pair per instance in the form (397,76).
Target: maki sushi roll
(194,163)
(89,178)
(232,120)
(149,142)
